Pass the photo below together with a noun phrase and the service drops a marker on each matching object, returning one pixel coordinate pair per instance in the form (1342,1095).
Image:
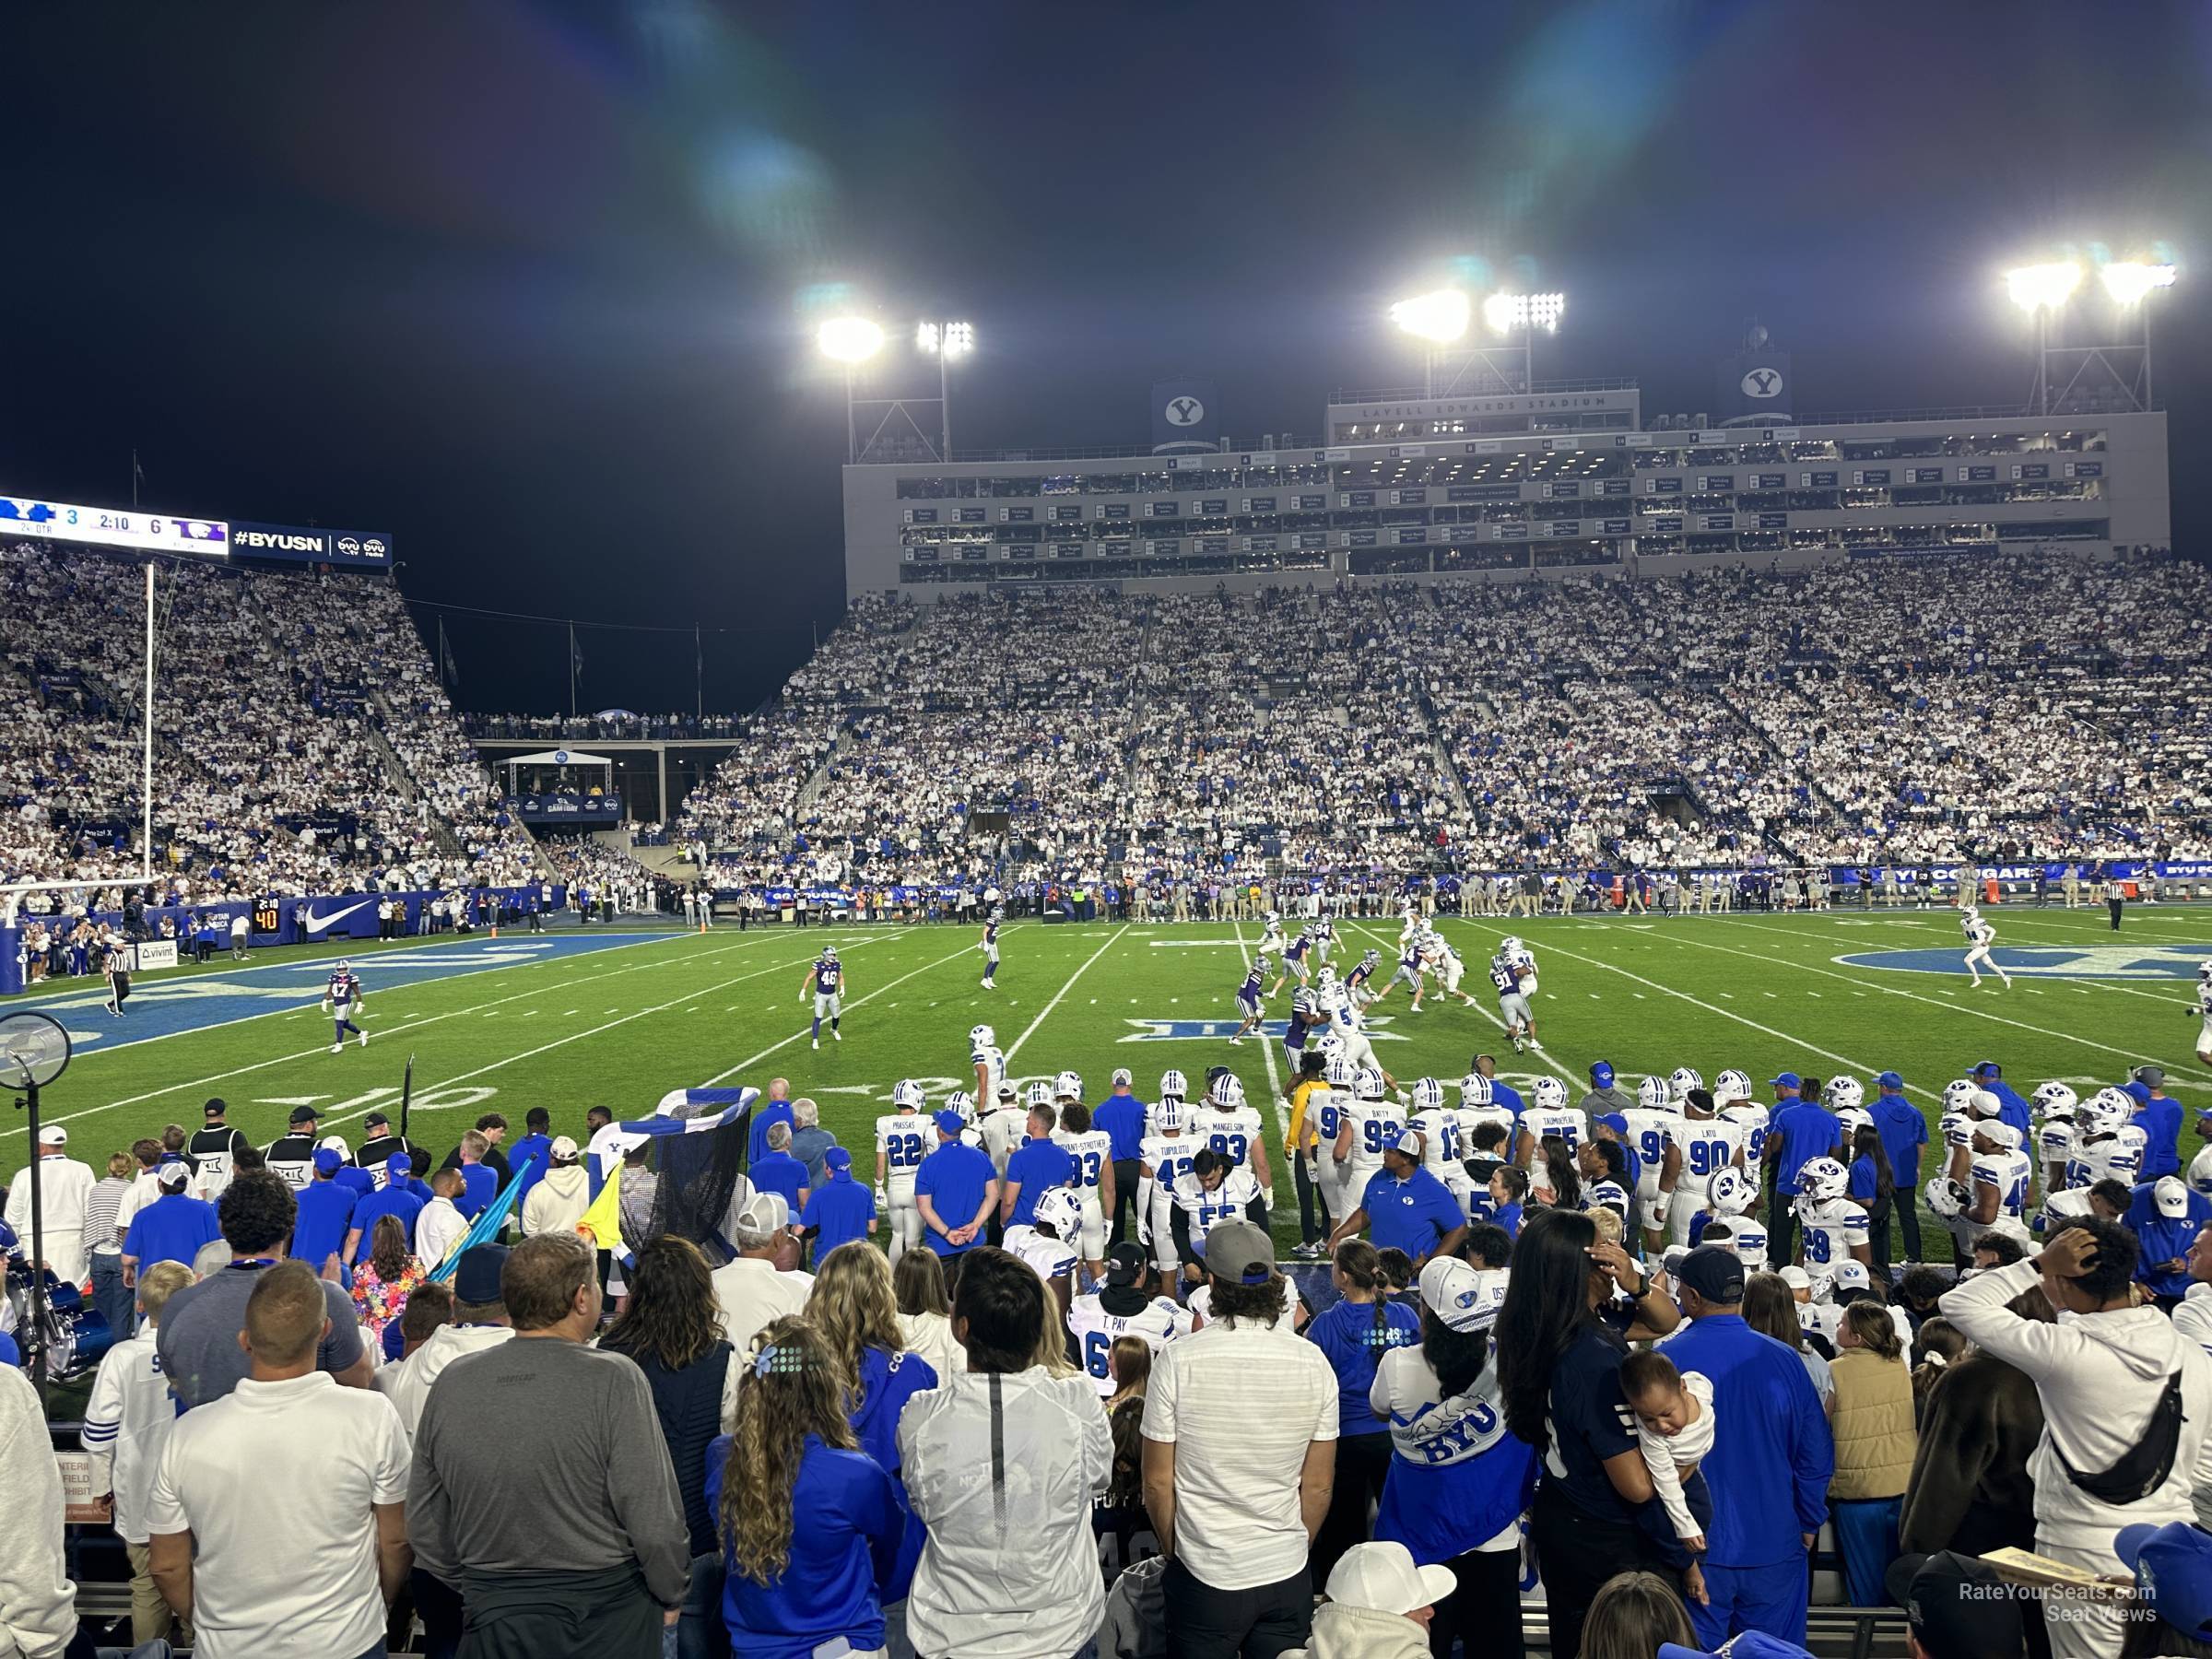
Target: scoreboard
(113,528)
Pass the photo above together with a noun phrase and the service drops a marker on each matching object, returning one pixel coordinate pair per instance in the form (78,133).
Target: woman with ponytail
(1364,1324)
(811,1524)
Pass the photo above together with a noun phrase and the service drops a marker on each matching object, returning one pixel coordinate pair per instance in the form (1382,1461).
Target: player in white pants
(1979,936)
(2204,1010)
(902,1140)
(1093,1152)
(1163,1158)
(1371,1127)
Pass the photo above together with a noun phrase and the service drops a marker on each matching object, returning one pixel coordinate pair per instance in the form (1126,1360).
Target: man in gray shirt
(559,1525)
(809,1140)
(198,1344)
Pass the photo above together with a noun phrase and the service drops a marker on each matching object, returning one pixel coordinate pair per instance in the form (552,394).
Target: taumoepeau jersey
(1159,1322)
(343,991)
(904,1138)
(1566,1121)
(1231,1201)
(1833,1229)
(1092,1150)
(1050,1259)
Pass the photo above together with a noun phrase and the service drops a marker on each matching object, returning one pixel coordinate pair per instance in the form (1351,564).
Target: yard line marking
(1045,1012)
(1557,1070)
(155,1094)
(777,1047)
(1275,1085)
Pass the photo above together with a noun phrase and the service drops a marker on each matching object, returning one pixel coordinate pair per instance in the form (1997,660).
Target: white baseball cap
(1852,1275)
(1410,1144)
(1465,1298)
(2003,1132)
(2172,1197)
(1984,1104)
(766,1213)
(53,1134)
(1383,1579)
(1796,1277)
(563,1149)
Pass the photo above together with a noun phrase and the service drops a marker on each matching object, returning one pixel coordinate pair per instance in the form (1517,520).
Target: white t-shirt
(1200,1304)
(752,1296)
(1240,1404)
(285,1566)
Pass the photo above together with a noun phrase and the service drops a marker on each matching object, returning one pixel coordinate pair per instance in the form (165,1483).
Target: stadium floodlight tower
(945,341)
(851,341)
(895,434)
(2110,377)
(1441,320)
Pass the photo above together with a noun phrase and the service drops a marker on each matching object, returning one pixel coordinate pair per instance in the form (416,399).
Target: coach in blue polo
(396,1197)
(955,1189)
(1406,1207)
(1122,1115)
(840,1210)
(1797,1132)
(1035,1168)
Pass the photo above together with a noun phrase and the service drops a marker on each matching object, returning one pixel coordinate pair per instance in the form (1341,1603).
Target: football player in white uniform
(1512,975)
(1730,1205)
(1213,1192)
(1349,1024)
(1271,935)
(1371,1127)
(1999,1180)
(1093,1152)
(2055,1105)
(2204,1011)
(1231,1127)
(1043,1243)
(1163,1157)
(2107,1144)
(988,1064)
(1835,1227)
(1478,1105)
(902,1141)
(1443,1143)
(1548,1113)
(1979,936)
(1122,1307)
(1653,1123)
(1703,1145)
(1733,1104)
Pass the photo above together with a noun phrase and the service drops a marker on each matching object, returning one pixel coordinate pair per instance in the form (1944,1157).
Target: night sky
(530,287)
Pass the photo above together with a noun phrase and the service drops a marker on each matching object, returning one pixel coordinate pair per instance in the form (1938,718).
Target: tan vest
(1872,1423)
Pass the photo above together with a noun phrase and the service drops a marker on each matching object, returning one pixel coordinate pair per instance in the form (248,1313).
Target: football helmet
(1845,1093)
(1651,1094)
(1062,1211)
(1730,1085)
(344,966)
(1958,1094)
(1821,1179)
(1732,1191)
(1228,1092)
(1682,1079)
(2055,1100)
(1337,1072)
(961,1101)
(1475,1089)
(1067,1086)
(907,1096)
(1174,1085)
(1366,1084)
(1549,1093)
(981,1036)
(1427,1095)
(1039,1093)
(1167,1113)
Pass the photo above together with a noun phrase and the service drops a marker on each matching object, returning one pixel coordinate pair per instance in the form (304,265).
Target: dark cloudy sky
(526,285)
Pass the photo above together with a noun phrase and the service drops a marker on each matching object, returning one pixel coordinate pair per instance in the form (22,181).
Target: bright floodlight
(950,339)
(1440,316)
(849,339)
(2042,286)
(1508,313)
(2128,281)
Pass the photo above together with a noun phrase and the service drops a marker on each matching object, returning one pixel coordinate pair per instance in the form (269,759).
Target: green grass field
(523,1025)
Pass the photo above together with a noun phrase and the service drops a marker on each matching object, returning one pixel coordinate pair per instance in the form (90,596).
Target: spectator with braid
(1357,1331)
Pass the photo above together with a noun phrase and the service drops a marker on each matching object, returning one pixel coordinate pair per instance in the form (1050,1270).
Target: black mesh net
(701,1186)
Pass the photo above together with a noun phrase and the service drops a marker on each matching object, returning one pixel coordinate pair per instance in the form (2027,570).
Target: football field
(591,1016)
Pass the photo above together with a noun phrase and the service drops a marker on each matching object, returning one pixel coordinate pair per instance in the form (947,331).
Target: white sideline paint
(1045,1011)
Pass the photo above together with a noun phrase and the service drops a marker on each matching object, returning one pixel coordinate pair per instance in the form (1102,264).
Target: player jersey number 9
(1650,1146)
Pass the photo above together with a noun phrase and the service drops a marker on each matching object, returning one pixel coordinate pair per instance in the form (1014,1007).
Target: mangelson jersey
(1049,1258)
(1231,1133)
(1092,1150)
(1168,1157)
(2008,1173)
(1566,1121)
(1231,1201)
(904,1138)
(827,976)
(344,991)
(1833,1229)
(1159,1323)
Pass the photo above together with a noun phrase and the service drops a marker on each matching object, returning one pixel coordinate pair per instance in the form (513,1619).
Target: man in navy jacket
(1770,1464)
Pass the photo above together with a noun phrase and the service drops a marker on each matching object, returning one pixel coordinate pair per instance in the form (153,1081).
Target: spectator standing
(127,1421)
(558,1201)
(173,1227)
(1003,1462)
(1769,1465)
(1458,1480)
(779,1172)
(38,1603)
(673,1330)
(809,1141)
(270,1566)
(852,1307)
(393,1199)
(1871,1415)
(2126,1401)
(491,1509)
(1872,1183)
(1122,1115)
(64,1190)
(757,1284)
(386,1279)
(104,1248)
(440,1226)
(810,1525)
(199,1346)
(1408,1208)
(2160,1117)
(323,1228)
(1971,1490)
(1240,1428)
(480,1321)
(1771,1308)
(839,1209)
(776,1109)
(481,1181)
(534,1149)
(1356,1333)
(492,1128)
(1904,1132)
(1561,1335)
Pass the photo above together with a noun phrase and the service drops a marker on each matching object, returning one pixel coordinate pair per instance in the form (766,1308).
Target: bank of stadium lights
(2044,291)
(943,340)
(1440,318)
(2042,287)
(849,339)
(1514,313)
(2130,281)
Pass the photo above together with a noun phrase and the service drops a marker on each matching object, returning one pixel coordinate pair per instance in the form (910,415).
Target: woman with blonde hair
(1631,1614)
(1871,1414)
(810,1525)
(852,1307)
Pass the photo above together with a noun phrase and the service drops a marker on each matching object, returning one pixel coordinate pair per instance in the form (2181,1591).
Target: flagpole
(571,671)
(699,669)
(135,476)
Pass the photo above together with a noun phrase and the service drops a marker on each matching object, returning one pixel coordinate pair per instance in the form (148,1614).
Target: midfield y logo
(1196,1031)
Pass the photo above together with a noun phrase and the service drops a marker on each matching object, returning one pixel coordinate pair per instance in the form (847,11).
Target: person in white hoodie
(480,1322)
(1378,1605)
(2107,1374)
(127,1422)
(38,1603)
(557,1198)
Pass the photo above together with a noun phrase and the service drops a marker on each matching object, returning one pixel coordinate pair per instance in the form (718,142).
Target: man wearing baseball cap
(557,1202)
(1240,1434)
(325,1225)
(1957,1607)
(1605,1093)
(214,1149)
(2165,1216)
(1768,1473)
(1379,1607)
(1410,1209)
(65,1189)
(839,1211)
(1122,1115)
(380,1144)
(1798,1131)
(292,1155)
(393,1198)
(956,1189)
(172,1228)
(1904,1131)
(2159,1118)
(1989,1074)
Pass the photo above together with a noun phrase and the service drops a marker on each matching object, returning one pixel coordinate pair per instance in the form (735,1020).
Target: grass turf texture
(623,1024)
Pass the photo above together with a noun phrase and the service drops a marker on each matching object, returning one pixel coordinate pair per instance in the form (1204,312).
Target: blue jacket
(1510,1098)
(538,1151)
(1039,1166)
(385,1201)
(1355,1344)
(1773,1455)
(1808,1130)
(2160,1122)
(172,1228)
(1904,1132)
(844,1210)
(781,1174)
(844,1550)
(2012,1110)
(1122,1118)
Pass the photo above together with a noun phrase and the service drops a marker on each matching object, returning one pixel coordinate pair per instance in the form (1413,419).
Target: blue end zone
(2143,961)
(197,1000)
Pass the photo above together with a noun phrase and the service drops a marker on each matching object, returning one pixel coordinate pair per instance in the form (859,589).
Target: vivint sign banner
(307,544)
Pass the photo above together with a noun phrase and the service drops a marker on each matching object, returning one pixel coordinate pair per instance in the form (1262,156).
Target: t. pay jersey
(904,1138)
(1159,1323)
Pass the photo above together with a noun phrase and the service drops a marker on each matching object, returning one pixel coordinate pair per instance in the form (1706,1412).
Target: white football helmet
(1958,1094)
(1849,1120)
(829,953)
(2203,968)
(907,1096)
(1228,1092)
(1174,1085)
(1167,1113)
(1274,916)
(1821,1179)
(1427,1095)
(1330,1045)
(981,1036)
(1971,912)
(2105,1112)
(1651,1094)
(2055,1100)
(1845,1093)
(1325,978)
(1682,1079)
(344,966)
(1062,1211)
(1366,1084)
(1338,1072)
(1549,1093)
(1510,943)
(1731,1192)
(1039,1093)
(1067,1086)
(961,1101)
(1475,1089)
(1730,1085)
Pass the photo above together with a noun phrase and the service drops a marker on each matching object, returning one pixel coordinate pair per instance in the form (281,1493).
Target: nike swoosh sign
(315,924)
